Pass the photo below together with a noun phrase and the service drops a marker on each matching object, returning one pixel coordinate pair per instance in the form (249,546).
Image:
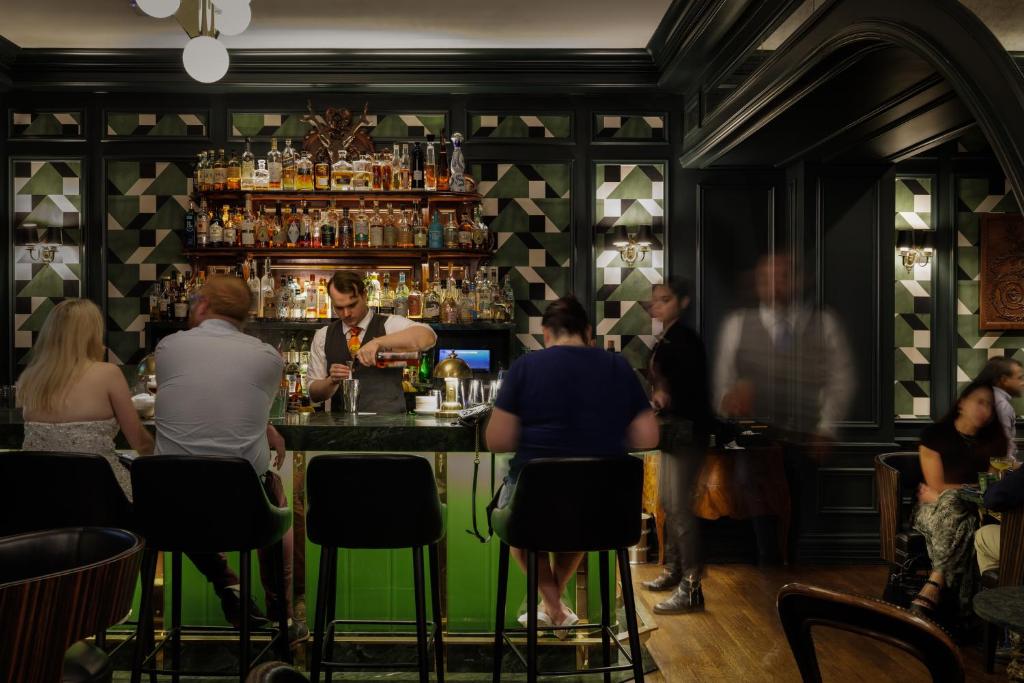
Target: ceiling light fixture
(205,58)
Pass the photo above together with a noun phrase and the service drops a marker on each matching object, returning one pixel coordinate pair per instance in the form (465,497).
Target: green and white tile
(521,126)
(46,124)
(157,125)
(263,126)
(398,126)
(629,127)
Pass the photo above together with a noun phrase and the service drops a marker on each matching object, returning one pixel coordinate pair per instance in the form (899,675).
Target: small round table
(1005,607)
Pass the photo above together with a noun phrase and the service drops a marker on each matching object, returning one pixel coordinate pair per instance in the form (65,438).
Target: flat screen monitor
(477,359)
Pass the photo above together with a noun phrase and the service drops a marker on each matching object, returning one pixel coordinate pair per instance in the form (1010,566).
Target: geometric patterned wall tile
(157,125)
(976,196)
(46,195)
(529,208)
(264,126)
(519,126)
(46,124)
(399,126)
(146,205)
(914,202)
(913,305)
(610,127)
(629,195)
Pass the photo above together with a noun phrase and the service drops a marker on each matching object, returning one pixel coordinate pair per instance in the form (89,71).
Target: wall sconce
(43,252)
(916,247)
(632,248)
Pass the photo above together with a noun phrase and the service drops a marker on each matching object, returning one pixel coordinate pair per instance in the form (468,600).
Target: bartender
(348,348)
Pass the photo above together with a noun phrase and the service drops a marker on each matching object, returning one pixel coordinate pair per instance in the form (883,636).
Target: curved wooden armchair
(802,607)
(58,587)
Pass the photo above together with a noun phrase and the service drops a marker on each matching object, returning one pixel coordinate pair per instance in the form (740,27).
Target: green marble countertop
(343,432)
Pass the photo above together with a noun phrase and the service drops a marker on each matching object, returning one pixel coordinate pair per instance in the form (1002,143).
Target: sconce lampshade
(926,241)
(904,240)
(643,236)
(620,238)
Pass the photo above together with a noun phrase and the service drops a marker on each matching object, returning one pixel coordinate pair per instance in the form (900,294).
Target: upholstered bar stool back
(46,490)
(374,501)
(58,587)
(572,505)
(202,504)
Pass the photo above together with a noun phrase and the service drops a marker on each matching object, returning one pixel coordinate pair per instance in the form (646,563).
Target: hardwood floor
(739,637)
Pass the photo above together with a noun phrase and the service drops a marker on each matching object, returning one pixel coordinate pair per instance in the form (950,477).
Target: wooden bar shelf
(369,195)
(335,252)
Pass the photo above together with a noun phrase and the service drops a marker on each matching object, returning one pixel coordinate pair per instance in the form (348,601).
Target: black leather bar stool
(563,505)
(202,504)
(346,508)
(57,587)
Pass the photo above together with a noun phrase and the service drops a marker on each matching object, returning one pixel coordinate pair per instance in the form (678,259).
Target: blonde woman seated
(71,400)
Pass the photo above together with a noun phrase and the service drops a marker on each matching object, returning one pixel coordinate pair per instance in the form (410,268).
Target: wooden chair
(897,476)
(58,587)
(801,607)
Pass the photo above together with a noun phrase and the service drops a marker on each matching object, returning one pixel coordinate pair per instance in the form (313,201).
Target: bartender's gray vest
(787,381)
(380,389)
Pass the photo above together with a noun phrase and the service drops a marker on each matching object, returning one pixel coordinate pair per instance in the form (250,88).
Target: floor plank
(739,637)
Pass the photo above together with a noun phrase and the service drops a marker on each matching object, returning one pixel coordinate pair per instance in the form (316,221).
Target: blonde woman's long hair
(70,341)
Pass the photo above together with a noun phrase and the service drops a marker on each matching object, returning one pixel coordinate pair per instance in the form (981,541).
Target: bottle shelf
(334,252)
(314,325)
(355,195)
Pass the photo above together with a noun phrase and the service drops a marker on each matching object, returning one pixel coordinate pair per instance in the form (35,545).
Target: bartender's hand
(277,444)
(367,354)
(338,372)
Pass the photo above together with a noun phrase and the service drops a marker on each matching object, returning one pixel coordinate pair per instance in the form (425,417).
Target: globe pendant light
(205,59)
(161,9)
(232,16)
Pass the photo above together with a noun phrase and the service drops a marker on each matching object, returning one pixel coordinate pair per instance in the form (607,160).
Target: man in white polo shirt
(216,385)
(355,337)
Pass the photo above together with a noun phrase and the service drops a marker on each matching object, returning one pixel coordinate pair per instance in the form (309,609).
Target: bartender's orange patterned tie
(353,341)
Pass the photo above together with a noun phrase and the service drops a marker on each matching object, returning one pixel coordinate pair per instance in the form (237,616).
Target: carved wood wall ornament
(1002,272)
(337,129)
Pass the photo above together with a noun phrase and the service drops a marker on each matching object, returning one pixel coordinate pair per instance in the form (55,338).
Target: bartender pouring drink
(348,348)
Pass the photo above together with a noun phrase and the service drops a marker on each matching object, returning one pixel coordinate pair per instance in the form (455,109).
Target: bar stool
(553,510)
(202,504)
(407,514)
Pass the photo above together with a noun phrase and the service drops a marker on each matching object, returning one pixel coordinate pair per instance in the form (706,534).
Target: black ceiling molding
(427,71)
(8,51)
(946,34)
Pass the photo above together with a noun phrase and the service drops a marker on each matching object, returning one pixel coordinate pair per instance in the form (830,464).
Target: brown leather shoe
(666,582)
(688,598)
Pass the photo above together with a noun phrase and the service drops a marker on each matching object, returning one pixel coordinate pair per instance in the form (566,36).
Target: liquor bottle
(202,226)
(390,229)
(419,231)
(432,297)
(341,172)
(230,231)
(198,173)
(387,163)
(450,305)
(435,236)
(508,294)
(220,172)
(306,236)
(398,359)
(274,166)
(451,232)
(181,300)
(234,172)
(281,220)
(323,301)
(312,298)
(255,289)
(322,170)
(298,311)
(405,232)
(416,166)
(166,298)
(466,227)
(484,296)
(154,301)
(345,230)
(457,182)
(246,181)
(216,230)
(402,297)
(294,229)
(190,226)
(328,228)
(288,158)
(373,291)
(283,298)
(467,302)
(362,172)
(211,157)
(415,304)
(304,173)
(267,302)
(429,166)
(443,173)
(405,169)
(304,361)
(261,176)
(376,227)
(361,227)
(248,232)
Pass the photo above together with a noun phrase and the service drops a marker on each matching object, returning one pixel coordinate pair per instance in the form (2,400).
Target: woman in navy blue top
(571,399)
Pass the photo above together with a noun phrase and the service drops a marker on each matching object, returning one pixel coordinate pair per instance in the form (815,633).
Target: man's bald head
(226,297)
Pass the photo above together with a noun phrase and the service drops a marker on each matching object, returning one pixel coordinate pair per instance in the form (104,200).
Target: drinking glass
(1001,464)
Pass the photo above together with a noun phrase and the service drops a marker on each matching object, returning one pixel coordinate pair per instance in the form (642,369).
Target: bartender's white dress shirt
(318,348)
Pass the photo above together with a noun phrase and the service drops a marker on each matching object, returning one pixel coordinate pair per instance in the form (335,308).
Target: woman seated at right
(570,399)
(72,401)
(953,451)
